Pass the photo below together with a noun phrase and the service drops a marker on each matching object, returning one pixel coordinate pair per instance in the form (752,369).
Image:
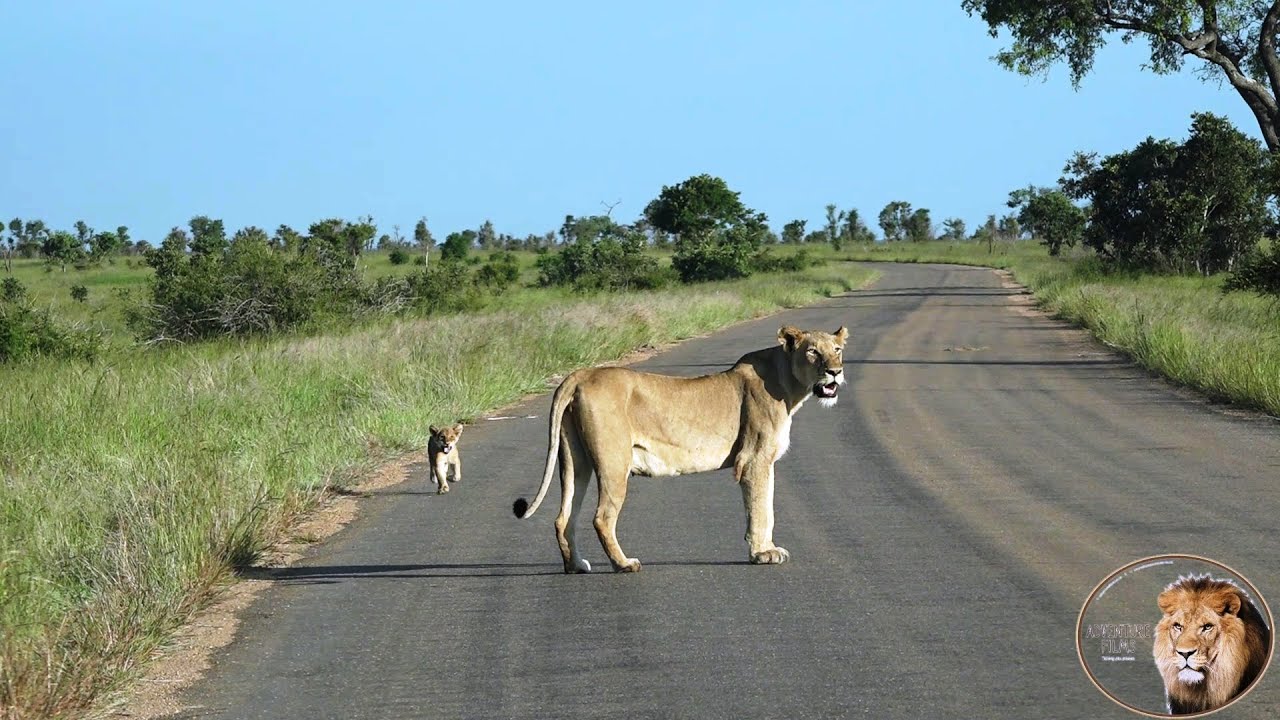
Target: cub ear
(434,430)
(841,335)
(790,337)
(458,428)
(1226,602)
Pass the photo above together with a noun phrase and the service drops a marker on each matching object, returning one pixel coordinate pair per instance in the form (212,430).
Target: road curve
(984,469)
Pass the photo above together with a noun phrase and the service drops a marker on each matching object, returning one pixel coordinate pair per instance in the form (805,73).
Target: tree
(286,239)
(953,229)
(894,219)
(10,243)
(208,237)
(987,233)
(456,245)
(1196,206)
(61,248)
(793,232)
(1050,216)
(106,245)
(487,238)
(422,236)
(855,230)
(30,236)
(834,219)
(1010,228)
(696,207)
(919,226)
(1235,38)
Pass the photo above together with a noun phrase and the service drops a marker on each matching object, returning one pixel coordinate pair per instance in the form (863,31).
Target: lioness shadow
(331,574)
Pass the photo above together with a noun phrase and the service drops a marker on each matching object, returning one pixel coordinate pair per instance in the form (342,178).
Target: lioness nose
(834,371)
(1187,653)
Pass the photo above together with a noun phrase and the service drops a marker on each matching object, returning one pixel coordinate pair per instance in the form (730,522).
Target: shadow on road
(330,574)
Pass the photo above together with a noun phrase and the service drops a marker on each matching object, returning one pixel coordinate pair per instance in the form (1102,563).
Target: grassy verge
(129,487)
(1184,328)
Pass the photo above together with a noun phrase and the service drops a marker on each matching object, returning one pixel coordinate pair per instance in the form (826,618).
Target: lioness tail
(559,402)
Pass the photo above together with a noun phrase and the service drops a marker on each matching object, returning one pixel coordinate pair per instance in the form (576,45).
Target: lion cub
(442,453)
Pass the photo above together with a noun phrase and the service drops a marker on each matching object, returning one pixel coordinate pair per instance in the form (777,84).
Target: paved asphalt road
(984,469)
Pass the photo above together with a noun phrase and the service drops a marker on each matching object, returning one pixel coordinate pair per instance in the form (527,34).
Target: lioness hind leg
(613,491)
(575,475)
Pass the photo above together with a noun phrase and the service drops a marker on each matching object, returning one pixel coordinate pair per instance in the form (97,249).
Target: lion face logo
(1210,644)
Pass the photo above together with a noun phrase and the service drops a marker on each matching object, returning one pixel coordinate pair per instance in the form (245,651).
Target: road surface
(983,470)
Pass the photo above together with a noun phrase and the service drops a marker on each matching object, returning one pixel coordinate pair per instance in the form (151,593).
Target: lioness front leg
(757,495)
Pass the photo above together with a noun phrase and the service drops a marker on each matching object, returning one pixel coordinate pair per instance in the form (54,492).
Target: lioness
(619,421)
(1210,644)
(442,453)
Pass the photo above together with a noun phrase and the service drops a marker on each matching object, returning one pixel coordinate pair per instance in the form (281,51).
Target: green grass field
(1184,328)
(132,484)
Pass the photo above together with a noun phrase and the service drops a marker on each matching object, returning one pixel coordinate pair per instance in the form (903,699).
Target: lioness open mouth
(827,390)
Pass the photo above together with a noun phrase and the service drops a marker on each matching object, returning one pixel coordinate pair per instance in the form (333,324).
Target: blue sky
(147,113)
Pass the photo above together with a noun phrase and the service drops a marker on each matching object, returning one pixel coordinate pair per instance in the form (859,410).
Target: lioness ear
(842,335)
(790,337)
(434,430)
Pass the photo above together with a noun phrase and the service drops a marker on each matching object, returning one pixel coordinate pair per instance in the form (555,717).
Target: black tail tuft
(520,506)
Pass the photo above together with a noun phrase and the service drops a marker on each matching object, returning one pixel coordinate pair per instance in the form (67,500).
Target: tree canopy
(1236,39)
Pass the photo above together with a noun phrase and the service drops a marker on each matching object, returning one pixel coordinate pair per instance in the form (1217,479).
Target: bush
(1259,272)
(398,256)
(446,286)
(79,293)
(244,288)
(500,272)
(605,264)
(766,261)
(26,332)
(419,259)
(12,290)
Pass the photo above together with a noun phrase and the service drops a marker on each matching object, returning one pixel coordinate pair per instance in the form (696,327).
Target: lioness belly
(667,462)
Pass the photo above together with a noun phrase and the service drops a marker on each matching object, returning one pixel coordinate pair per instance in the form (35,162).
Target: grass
(1184,328)
(129,487)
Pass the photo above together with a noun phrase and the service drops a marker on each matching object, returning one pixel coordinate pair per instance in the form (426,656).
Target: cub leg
(456,465)
(757,495)
(440,469)
(575,476)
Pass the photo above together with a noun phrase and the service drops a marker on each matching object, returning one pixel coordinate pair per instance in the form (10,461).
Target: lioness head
(1202,644)
(816,360)
(447,437)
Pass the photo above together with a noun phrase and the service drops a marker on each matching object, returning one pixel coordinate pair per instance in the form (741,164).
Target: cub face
(446,438)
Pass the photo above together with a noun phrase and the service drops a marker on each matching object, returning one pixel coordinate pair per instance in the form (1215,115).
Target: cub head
(816,360)
(447,437)
(1200,642)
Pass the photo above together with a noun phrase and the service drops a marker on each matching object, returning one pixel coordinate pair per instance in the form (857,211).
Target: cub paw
(772,556)
(443,489)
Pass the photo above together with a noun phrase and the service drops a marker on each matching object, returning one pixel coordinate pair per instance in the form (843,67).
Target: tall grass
(130,486)
(1184,328)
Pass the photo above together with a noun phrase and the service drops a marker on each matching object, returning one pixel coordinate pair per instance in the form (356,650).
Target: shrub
(419,259)
(26,332)
(243,288)
(398,256)
(446,286)
(500,272)
(766,261)
(1259,272)
(12,290)
(608,263)
(79,293)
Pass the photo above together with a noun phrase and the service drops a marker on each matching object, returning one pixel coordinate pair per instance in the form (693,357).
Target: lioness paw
(631,565)
(443,489)
(772,556)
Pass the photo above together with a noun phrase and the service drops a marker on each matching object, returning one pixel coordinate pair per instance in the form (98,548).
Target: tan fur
(443,455)
(617,421)
(1225,639)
